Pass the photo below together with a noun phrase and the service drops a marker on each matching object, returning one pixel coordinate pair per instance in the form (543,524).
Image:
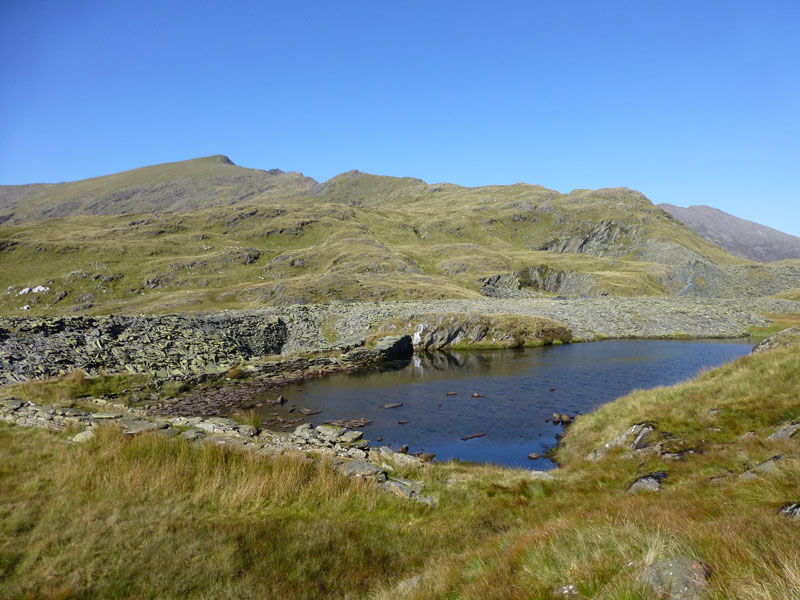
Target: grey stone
(791,510)
(12,404)
(103,416)
(135,427)
(681,578)
(83,436)
(641,439)
(193,435)
(361,469)
(350,437)
(620,440)
(785,432)
(390,348)
(330,432)
(768,467)
(247,430)
(304,430)
(647,483)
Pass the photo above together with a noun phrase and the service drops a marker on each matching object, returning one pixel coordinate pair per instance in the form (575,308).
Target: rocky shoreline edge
(349,453)
(192,347)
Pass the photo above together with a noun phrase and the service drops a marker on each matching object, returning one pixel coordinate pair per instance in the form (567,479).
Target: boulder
(83,436)
(360,469)
(350,437)
(330,432)
(680,578)
(647,483)
(394,347)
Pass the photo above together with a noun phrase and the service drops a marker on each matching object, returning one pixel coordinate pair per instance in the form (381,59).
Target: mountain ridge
(205,234)
(741,237)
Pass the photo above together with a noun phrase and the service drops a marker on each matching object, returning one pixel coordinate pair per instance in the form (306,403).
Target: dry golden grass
(150,518)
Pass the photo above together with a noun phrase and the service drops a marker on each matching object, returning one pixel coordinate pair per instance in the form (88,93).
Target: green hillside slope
(206,234)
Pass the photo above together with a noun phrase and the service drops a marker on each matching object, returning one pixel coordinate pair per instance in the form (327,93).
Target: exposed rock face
(742,238)
(435,332)
(164,345)
(537,278)
(606,238)
(503,285)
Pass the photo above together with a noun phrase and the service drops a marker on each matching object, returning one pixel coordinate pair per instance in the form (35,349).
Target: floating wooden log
(474,435)
(393,405)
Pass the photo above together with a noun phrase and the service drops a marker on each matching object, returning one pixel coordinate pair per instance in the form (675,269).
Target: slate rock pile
(167,346)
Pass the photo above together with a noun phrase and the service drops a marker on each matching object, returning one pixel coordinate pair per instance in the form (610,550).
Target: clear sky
(688,101)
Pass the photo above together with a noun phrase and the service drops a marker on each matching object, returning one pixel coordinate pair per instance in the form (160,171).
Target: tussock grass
(67,389)
(146,517)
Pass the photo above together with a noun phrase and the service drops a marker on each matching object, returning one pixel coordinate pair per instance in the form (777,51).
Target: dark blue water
(516,393)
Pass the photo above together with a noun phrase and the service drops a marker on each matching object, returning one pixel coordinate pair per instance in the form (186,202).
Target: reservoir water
(517,391)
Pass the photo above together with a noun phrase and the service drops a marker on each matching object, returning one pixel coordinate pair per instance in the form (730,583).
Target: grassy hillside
(146,517)
(171,187)
(205,234)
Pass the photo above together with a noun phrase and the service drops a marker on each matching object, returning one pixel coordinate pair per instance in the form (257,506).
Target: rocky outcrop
(502,285)
(782,339)
(437,332)
(163,345)
(528,282)
(604,238)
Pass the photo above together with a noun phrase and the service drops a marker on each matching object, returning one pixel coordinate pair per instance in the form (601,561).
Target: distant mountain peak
(740,237)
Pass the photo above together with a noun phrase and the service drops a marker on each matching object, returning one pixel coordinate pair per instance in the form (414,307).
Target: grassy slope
(355,237)
(793,294)
(170,187)
(148,518)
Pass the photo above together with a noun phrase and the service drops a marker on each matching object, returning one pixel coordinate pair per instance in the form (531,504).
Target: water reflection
(516,391)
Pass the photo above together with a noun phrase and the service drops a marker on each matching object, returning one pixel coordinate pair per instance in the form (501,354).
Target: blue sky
(690,102)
